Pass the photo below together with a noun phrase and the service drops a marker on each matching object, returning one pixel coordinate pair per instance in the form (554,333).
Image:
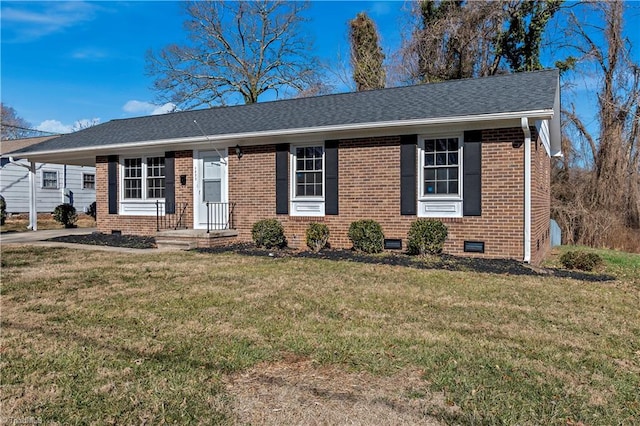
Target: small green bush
(317,236)
(366,236)
(582,260)
(268,233)
(3,210)
(92,210)
(66,215)
(426,236)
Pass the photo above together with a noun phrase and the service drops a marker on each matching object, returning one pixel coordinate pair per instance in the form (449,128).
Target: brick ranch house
(473,153)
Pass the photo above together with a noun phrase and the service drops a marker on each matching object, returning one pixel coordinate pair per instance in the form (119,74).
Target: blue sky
(64,62)
(69,61)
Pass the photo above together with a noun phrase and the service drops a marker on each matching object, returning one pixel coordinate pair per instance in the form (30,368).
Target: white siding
(14,187)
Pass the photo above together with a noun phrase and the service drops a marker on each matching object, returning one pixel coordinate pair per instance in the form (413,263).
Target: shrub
(3,210)
(268,233)
(366,236)
(92,210)
(578,259)
(317,236)
(66,215)
(426,236)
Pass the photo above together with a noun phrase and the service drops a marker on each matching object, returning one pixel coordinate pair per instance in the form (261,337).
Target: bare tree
(612,185)
(464,39)
(366,54)
(12,125)
(237,52)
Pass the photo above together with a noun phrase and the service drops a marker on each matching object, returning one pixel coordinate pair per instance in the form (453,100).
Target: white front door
(212,201)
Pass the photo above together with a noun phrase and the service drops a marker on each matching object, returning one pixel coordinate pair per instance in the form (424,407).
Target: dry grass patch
(20,222)
(299,391)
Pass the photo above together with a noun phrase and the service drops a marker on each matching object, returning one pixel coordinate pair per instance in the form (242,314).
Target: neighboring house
(55,183)
(472,153)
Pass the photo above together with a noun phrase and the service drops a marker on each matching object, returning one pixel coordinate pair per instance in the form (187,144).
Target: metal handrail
(220,216)
(166,220)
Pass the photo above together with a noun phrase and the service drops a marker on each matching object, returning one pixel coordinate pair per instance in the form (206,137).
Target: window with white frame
(155,177)
(49,179)
(309,171)
(143,178)
(88,181)
(440,174)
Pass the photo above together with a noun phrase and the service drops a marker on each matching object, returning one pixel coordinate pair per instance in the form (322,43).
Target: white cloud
(55,126)
(90,54)
(27,21)
(147,108)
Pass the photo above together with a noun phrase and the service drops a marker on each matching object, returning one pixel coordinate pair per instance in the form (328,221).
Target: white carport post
(33,209)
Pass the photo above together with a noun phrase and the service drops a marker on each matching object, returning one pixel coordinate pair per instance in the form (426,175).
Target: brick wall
(540,201)
(369,188)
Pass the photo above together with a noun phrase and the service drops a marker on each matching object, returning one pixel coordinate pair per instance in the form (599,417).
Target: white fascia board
(543,134)
(227,139)
(555,133)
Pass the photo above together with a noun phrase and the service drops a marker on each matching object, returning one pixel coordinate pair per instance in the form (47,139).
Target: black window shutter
(282,178)
(331,177)
(169,182)
(408,200)
(112,181)
(472,174)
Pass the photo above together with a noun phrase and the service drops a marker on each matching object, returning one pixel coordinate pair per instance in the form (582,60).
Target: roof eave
(93,151)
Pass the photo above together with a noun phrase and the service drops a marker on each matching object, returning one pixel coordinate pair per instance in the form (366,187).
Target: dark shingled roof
(519,92)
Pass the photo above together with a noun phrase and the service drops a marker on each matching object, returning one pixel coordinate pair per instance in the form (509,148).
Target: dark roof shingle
(499,94)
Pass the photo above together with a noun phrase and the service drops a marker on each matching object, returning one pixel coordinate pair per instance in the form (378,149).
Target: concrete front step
(187,239)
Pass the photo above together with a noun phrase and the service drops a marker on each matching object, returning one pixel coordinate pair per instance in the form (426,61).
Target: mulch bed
(443,262)
(112,240)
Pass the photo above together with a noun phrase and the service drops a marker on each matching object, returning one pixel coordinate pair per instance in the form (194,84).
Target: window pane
(441,187)
(212,191)
(441,145)
(441,159)
(429,187)
(453,172)
(299,164)
(453,158)
(429,159)
(453,187)
(429,145)
(308,165)
(430,174)
(452,144)
(441,174)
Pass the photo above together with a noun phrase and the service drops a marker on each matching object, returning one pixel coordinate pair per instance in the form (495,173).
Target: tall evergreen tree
(366,54)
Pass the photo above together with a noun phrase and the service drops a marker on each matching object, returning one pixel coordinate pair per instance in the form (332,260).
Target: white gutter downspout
(33,212)
(524,121)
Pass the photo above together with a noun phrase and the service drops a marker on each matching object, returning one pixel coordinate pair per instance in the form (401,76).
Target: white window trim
(137,206)
(94,181)
(440,205)
(42,172)
(305,205)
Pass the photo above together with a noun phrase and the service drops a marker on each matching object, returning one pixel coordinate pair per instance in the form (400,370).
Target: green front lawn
(145,339)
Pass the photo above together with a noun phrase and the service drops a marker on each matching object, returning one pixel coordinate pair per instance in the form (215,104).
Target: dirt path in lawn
(295,391)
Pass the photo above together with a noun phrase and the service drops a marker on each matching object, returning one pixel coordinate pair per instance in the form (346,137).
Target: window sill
(302,207)
(138,207)
(441,207)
